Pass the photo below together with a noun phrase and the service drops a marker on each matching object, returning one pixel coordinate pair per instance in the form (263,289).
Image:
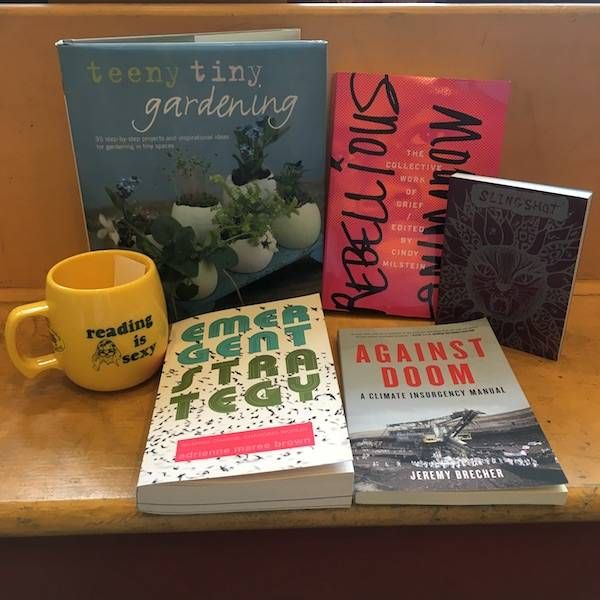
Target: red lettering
(382,353)
(434,374)
(390,377)
(436,349)
(412,377)
(461,374)
(361,354)
(477,345)
(459,351)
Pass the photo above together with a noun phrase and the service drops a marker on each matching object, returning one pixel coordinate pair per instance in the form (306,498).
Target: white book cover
(437,412)
(248,391)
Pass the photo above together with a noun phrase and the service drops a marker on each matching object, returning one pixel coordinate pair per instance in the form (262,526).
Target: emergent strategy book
(510,254)
(204,151)
(248,415)
(395,143)
(436,416)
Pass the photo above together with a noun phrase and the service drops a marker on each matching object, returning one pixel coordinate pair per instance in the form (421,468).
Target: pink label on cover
(246,442)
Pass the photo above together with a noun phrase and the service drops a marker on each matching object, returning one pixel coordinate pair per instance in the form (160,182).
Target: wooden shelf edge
(90,517)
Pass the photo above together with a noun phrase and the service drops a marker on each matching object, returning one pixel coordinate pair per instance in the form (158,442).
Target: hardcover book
(510,254)
(395,143)
(248,415)
(205,152)
(436,416)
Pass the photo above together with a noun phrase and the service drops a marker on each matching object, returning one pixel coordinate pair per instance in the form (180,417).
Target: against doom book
(248,415)
(436,416)
(395,143)
(510,254)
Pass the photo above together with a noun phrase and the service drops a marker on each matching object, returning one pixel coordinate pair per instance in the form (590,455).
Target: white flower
(108,229)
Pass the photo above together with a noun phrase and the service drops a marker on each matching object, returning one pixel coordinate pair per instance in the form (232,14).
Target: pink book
(396,141)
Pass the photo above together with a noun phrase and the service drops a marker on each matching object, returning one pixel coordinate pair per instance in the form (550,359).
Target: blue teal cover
(144,113)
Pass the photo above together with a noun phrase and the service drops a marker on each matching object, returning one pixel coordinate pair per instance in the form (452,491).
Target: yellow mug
(107,319)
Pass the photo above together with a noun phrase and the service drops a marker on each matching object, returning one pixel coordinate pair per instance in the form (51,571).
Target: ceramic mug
(107,319)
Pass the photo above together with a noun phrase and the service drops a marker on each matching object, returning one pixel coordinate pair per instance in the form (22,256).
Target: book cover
(204,152)
(436,416)
(395,143)
(510,254)
(248,404)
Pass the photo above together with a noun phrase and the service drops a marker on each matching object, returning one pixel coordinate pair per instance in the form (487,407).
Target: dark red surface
(484,562)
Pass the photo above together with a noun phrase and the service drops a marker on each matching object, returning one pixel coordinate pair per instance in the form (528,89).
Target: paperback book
(395,143)
(248,415)
(436,416)
(204,151)
(510,254)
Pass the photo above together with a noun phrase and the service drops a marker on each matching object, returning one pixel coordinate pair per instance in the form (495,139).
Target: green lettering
(134,74)
(305,358)
(115,74)
(183,404)
(269,337)
(304,390)
(229,347)
(295,313)
(224,369)
(261,394)
(223,400)
(297,333)
(231,325)
(267,318)
(186,379)
(193,354)
(261,366)
(94,69)
(194,333)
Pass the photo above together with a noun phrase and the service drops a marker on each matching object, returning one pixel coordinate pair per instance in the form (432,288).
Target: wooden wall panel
(551,54)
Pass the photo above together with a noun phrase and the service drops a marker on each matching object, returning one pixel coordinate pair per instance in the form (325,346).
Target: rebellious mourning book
(204,151)
(395,143)
(436,416)
(510,254)
(248,415)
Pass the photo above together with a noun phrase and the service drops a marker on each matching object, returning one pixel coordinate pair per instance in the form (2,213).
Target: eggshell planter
(268,185)
(252,259)
(206,280)
(299,230)
(199,218)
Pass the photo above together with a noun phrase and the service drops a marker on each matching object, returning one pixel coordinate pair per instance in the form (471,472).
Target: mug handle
(30,366)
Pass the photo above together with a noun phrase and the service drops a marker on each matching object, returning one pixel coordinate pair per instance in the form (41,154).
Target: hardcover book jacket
(510,254)
(438,408)
(247,391)
(395,143)
(207,155)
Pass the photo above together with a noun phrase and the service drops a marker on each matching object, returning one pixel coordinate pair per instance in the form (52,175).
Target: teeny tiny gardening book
(205,152)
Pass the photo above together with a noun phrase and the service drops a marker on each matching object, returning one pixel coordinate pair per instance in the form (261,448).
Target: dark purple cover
(510,255)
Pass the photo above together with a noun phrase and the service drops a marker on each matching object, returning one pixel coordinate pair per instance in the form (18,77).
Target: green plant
(251,142)
(173,247)
(250,212)
(190,176)
(288,184)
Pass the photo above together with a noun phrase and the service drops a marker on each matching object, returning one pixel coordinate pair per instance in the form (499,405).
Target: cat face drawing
(505,282)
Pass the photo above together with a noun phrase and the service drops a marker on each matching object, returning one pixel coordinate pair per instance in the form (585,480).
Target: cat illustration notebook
(511,251)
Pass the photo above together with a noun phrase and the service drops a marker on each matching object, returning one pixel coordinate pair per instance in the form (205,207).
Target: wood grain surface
(550,53)
(70,457)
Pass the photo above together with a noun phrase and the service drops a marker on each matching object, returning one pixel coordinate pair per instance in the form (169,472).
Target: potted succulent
(194,205)
(245,224)
(301,226)
(251,142)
